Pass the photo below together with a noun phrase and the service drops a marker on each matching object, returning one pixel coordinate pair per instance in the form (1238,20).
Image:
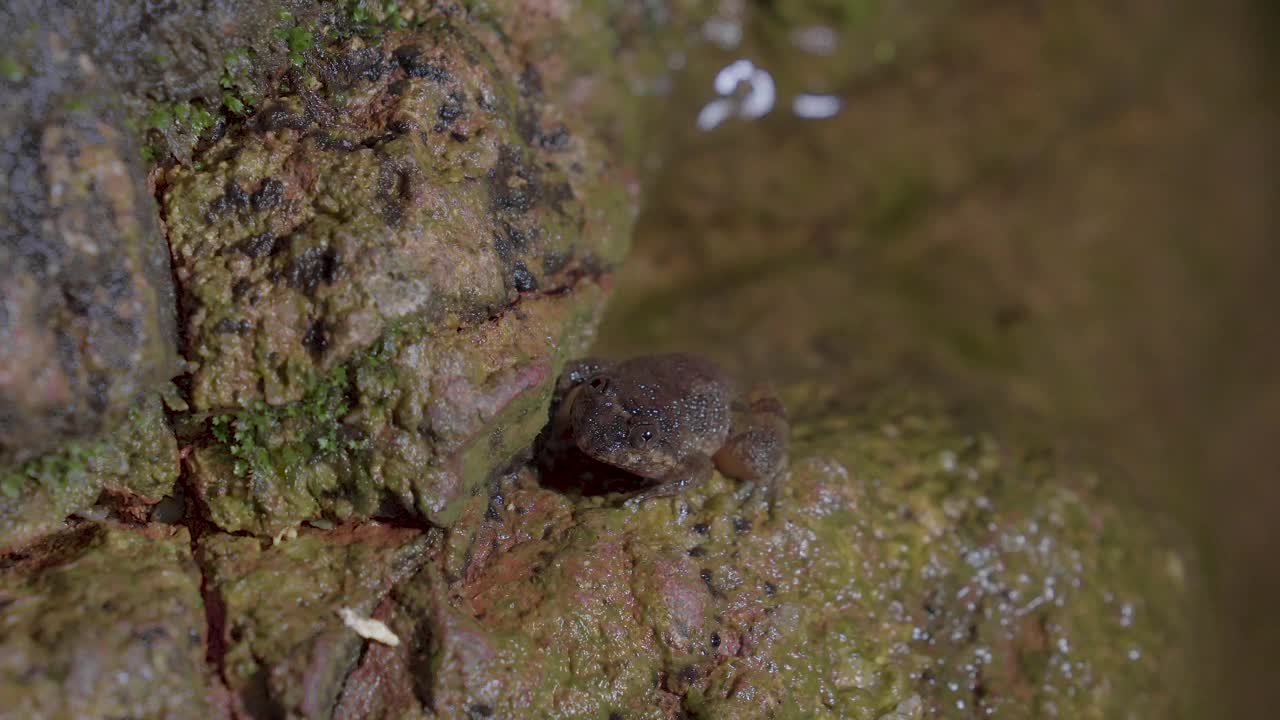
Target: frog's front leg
(692,472)
(756,449)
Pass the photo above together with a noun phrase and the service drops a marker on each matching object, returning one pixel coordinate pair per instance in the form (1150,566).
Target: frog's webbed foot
(694,471)
(756,449)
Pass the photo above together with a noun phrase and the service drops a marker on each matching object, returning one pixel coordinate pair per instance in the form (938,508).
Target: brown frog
(670,418)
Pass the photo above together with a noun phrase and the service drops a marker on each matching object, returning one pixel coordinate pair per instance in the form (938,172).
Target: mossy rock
(907,567)
(105,621)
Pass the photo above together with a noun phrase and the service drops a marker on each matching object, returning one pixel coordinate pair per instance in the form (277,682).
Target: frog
(670,419)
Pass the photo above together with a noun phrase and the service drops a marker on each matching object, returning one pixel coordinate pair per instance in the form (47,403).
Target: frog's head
(619,425)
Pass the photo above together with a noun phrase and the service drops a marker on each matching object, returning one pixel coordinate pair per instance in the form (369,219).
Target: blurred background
(1057,212)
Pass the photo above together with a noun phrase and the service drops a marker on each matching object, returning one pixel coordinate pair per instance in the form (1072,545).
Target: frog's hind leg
(694,471)
(756,449)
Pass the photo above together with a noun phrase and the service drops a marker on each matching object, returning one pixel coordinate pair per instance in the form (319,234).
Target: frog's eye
(599,384)
(642,435)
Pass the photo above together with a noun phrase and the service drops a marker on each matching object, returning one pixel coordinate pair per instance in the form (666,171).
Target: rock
(387,240)
(279,641)
(907,564)
(382,272)
(88,320)
(123,472)
(105,621)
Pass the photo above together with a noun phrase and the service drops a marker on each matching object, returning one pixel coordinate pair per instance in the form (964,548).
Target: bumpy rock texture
(908,567)
(127,471)
(389,228)
(104,622)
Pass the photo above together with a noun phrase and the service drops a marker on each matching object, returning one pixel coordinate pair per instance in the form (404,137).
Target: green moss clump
(298,38)
(239,94)
(265,440)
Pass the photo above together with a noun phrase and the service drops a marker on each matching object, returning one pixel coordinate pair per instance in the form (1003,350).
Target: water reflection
(755,102)
(815,39)
(810,106)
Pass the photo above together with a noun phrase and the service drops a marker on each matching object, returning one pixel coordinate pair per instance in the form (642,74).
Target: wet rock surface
(281,646)
(104,621)
(388,231)
(374,269)
(908,567)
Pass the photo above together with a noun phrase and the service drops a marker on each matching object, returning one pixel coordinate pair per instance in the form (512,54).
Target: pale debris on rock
(368,628)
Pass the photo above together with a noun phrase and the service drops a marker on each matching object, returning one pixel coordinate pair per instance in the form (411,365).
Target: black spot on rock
(511,242)
(316,340)
(279,117)
(396,189)
(400,127)
(268,196)
(328,141)
(513,184)
(555,139)
(258,246)
(410,58)
(530,82)
(366,64)
(229,326)
(232,199)
(313,267)
(78,296)
(99,385)
(522,279)
(451,109)
(240,287)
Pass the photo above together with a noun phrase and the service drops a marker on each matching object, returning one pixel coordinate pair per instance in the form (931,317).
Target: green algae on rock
(402,191)
(396,172)
(135,463)
(104,621)
(413,427)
